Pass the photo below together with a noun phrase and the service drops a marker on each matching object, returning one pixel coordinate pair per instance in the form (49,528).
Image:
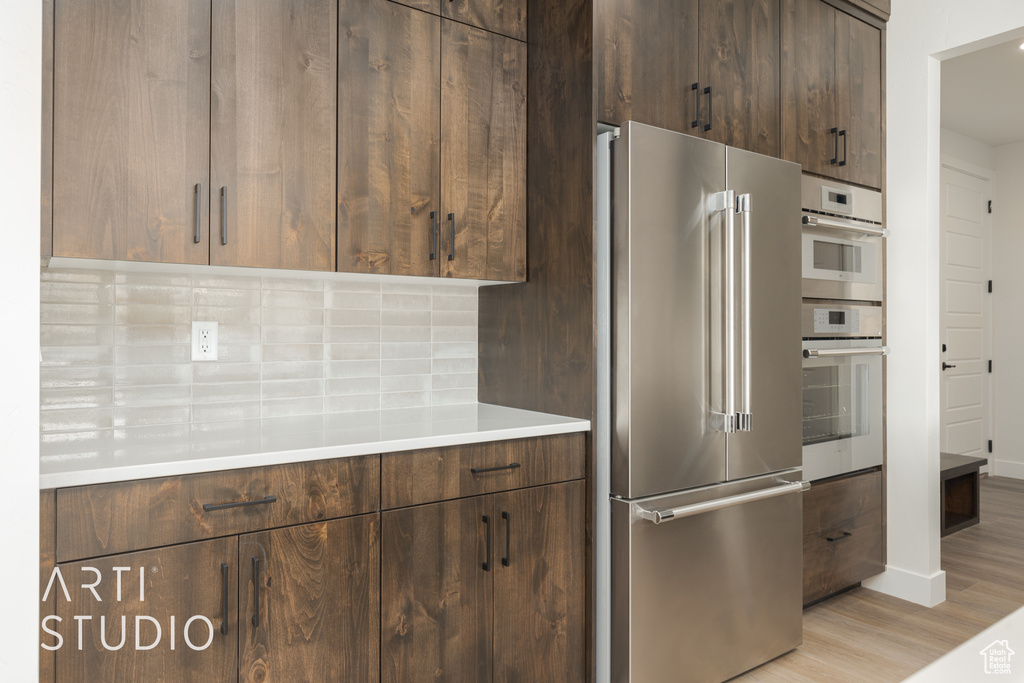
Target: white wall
(967,149)
(918,31)
(20,77)
(1008,324)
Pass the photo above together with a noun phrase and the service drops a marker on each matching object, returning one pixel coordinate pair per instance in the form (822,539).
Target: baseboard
(1006,468)
(906,585)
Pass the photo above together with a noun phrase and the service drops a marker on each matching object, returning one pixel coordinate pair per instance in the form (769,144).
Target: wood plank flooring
(863,635)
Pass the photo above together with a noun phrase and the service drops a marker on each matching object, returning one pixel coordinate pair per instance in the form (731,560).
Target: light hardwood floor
(863,636)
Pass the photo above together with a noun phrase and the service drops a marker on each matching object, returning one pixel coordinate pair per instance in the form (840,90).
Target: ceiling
(983,94)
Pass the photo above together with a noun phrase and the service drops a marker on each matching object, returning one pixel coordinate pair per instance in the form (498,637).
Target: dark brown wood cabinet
(168,614)
(131,147)
(507,17)
(309,602)
(831,84)
(389,154)
(842,533)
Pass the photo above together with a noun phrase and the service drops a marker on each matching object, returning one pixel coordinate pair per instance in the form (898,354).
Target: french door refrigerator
(699,517)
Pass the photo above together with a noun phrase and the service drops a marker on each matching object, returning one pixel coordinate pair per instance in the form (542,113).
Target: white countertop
(210,446)
(995,654)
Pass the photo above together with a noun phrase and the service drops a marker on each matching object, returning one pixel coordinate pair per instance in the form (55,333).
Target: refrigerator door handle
(743,417)
(659,516)
(725,202)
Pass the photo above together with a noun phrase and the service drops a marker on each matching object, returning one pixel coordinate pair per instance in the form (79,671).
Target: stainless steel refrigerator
(699,417)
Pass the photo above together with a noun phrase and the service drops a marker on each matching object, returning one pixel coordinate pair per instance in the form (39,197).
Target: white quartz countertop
(211,446)
(995,654)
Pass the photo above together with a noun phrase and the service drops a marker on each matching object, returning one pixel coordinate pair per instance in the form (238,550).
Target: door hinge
(990,445)
(989,286)
(990,367)
(990,206)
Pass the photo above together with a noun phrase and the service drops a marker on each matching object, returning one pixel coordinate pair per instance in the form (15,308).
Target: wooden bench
(958,478)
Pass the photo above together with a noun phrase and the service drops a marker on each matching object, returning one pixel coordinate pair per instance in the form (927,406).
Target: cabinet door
(538,584)
(808,85)
(859,99)
(646,56)
(274,122)
(507,17)
(131,106)
(317,603)
(436,592)
(483,154)
(739,62)
(191,591)
(389,77)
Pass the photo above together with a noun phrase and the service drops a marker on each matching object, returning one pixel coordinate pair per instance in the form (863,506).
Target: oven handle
(832,353)
(659,516)
(815,222)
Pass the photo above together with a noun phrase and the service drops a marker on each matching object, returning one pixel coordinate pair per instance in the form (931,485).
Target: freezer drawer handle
(814,222)
(659,516)
(833,539)
(510,466)
(833,353)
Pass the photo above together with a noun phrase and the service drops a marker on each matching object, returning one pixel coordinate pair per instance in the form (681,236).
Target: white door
(966,236)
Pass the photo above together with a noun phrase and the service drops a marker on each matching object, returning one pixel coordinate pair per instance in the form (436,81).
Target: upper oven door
(840,262)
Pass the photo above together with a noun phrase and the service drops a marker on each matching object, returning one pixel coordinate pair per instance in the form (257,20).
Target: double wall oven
(842,265)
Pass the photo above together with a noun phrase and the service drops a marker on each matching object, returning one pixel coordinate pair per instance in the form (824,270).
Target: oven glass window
(840,257)
(835,403)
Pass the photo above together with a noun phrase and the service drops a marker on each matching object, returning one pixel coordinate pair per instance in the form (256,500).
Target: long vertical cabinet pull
(487,556)
(224,215)
(224,604)
(433,228)
(696,105)
(256,591)
(451,251)
(199,213)
(507,560)
(707,126)
(835,156)
(743,418)
(842,134)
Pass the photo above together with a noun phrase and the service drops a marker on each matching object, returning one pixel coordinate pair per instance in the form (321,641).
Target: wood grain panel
(429,6)
(849,511)
(319,608)
(46,153)
(389,156)
(808,85)
(507,17)
(647,56)
(112,518)
(859,99)
(47,561)
(436,597)
(539,624)
(426,476)
(180,582)
(739,61)
(274,128)
(131,129)
(483,154)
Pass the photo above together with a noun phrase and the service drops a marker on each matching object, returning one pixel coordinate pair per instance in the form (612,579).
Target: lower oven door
(842,406)
(838,264)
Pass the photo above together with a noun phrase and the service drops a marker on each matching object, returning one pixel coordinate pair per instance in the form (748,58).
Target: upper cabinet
(273,120)
(831,81)
(507,17)
(431,146)
(708,68)
(131,148)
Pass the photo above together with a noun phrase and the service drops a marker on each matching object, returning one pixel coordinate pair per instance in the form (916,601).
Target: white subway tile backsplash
(116,367)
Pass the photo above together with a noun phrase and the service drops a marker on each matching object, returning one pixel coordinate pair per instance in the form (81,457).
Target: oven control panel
(841,321)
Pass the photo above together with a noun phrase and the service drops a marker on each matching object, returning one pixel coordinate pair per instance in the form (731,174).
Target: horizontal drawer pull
(510,466)
(832,539)
(210,507)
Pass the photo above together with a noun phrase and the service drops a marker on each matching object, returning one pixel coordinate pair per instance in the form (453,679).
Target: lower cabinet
(485,588)
(308,602)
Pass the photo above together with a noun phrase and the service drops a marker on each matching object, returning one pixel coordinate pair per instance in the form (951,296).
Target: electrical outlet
(204,340)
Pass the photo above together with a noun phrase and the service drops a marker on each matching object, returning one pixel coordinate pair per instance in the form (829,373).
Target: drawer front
(848,511)
(435,474)
(114,518)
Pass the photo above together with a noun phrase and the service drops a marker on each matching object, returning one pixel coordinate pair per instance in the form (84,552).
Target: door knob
(946,366)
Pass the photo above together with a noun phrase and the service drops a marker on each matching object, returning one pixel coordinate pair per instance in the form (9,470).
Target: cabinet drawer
(435,474)
(848,511)
(104,519)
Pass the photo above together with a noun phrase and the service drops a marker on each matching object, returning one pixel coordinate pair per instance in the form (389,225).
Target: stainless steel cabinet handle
(743,417)
(833,353)
(199,212)
(224,215)
(814,222)
(659,516)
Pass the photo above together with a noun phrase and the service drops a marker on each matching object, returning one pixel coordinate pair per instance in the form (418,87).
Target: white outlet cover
(204,340)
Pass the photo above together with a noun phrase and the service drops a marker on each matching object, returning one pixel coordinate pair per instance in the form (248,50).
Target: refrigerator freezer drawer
(705,596)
